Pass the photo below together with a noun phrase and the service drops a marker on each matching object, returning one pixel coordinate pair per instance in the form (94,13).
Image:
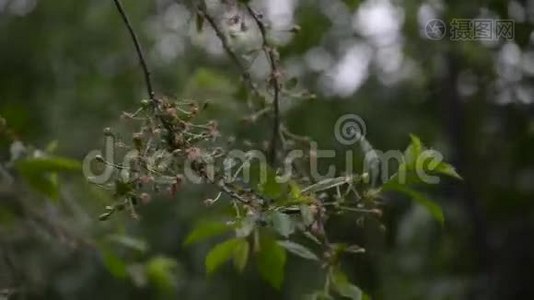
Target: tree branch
(138,49)
(228,49)
(274,80)
(148,81)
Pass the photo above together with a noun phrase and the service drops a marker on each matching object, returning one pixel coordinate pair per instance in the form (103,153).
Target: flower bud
(145,103)
(296,29)
(138,140)
(145,198)
(108,132)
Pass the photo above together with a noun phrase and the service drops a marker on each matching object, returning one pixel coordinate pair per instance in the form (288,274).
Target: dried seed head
(295,29)
(171,112)
(126,116)
(145,179)
(145,198)
(108,132)
(145,103)
(137,140)
(377,212)
(179,179)
(193,153)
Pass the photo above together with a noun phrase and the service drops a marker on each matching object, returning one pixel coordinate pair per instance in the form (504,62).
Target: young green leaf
(325,184)
(161,270)
(264,178)
(319,295)
(114,264)
(241,255)
(434,209)
(42,183)
(40,173)
(343,287)
(283,224)
(206,230)
(129,242)
(307,215)
(413,150)
(298,250)
(245,226)
(271,260)
(271,188)
(48,164)
(447,169)
(220,254)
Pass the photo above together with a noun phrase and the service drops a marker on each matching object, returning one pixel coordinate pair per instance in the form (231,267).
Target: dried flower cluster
(172,145)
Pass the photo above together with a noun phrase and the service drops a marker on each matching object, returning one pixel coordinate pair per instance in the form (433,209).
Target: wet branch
(274,80)
(228,49)
(138,50)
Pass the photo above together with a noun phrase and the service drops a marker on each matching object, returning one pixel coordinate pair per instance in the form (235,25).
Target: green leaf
(294,191)
(319,295)
(271,188)
(40,173)
(434,209)
(447,169)
(241,255)
(242,93)
(48,164)
(114,264)
(343,287)
(415,157)
(264,178)
(123,188)
(413,150)
(160,271)
(205,230)
(366,297)
(325,184)
(220,254)
(307,215)
(245,226)
(42,183)
(271,260)
(298,249)
(283,224)
(129,242)
(52,146)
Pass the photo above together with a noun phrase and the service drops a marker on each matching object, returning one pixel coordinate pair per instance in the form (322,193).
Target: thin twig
(273,80)
(228,49)
(148,81)
(138,49)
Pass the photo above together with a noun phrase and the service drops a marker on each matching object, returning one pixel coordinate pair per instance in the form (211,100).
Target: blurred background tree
(67,70)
